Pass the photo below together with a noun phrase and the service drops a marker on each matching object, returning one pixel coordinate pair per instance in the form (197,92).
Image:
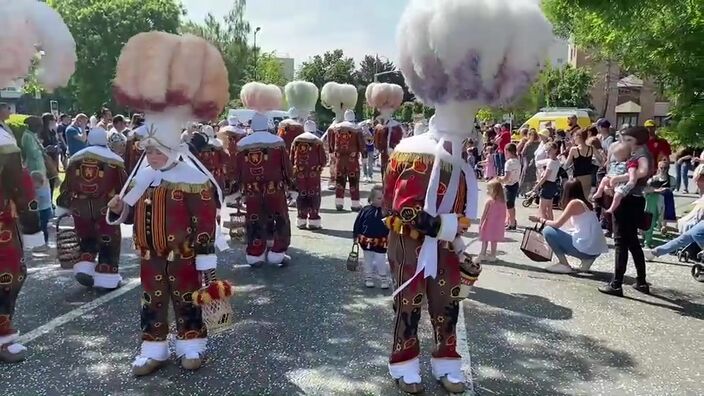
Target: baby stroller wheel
(698,272)
(527,202)
(683,256)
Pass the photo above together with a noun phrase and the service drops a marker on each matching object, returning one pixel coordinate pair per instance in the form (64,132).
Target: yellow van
(558,118)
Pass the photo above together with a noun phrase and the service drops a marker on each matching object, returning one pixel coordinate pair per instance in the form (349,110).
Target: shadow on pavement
(516,351)
(674,300)
(526,304)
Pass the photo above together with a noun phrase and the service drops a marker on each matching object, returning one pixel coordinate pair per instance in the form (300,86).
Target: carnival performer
(230,135)
(33,24)
(338,98)
(94,175)
(132,150)
(264,180)
(308,159)
(430,190)
(386,98)
(302,97)
(173,200)
(347,145)
(211,153)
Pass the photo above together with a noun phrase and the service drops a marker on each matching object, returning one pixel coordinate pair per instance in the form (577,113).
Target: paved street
(312,328)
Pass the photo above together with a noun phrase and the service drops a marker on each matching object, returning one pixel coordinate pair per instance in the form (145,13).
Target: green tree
(230,37)
(656,39)
(269,70)
(564,87)
(101,28)
(331,66)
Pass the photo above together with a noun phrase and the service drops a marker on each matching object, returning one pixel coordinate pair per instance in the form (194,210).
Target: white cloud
(304,28)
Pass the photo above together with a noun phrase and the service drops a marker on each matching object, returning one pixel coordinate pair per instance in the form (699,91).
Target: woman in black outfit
(581,156)
(630,215)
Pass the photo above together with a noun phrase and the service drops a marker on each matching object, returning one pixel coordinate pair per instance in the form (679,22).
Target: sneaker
(490,259)
(559,269)
(649,255)
(610,290)
(385,284)
(586,264)
(369,283)
(41,249)
(642,287)
(478,259)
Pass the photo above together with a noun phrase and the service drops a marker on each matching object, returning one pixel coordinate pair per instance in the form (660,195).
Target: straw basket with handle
(214,300)
(353,258)
(67,244)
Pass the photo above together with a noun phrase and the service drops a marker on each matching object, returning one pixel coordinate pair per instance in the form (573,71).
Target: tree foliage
(331,66)
(564,87)
(656,39)
(101,28)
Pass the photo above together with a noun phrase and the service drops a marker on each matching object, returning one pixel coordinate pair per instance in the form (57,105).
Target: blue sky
(303,28)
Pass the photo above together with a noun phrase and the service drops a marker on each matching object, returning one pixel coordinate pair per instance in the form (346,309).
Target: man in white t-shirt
(510,180)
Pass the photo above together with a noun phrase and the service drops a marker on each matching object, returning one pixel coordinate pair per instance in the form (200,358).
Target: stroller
(534,197)
(693,252)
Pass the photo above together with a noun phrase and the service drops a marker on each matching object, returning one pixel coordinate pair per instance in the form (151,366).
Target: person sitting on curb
(585,241)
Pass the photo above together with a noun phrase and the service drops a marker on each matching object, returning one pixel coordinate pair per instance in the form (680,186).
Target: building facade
(621,97)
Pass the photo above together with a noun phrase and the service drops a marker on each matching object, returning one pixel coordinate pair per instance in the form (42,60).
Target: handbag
(353,258)
(534,245)
(646,221)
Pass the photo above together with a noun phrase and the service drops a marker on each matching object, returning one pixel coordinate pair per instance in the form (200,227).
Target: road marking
(463,347)
(78,312)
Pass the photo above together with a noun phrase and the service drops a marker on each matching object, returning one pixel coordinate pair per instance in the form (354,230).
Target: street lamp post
(256,51)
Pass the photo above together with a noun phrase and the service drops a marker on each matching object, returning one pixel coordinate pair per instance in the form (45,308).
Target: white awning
(628,107)
(630,82)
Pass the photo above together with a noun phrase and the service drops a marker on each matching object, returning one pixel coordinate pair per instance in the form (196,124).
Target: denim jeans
(682,176)
(562,245)
(44,216)
(694,234)
(499,160)
(369,165)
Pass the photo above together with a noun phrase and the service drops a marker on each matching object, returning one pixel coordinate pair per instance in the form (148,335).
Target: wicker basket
(68,245)
(217,314)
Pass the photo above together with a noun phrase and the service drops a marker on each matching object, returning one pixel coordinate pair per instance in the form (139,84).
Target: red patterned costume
(211,153)
(230,135)
(347,146)
(94,175)
(19,228)
(430,190)
(388,134)
(308,159)
(264,180)
(174,201)
(289,130)
(40,27)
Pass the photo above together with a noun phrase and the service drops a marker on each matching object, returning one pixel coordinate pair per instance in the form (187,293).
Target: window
(626,118)
(660,121)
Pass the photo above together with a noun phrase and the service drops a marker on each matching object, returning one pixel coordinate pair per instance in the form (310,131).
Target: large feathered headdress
(338,98)
(384,97)
(459,55)
(302,97)
(29,27)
